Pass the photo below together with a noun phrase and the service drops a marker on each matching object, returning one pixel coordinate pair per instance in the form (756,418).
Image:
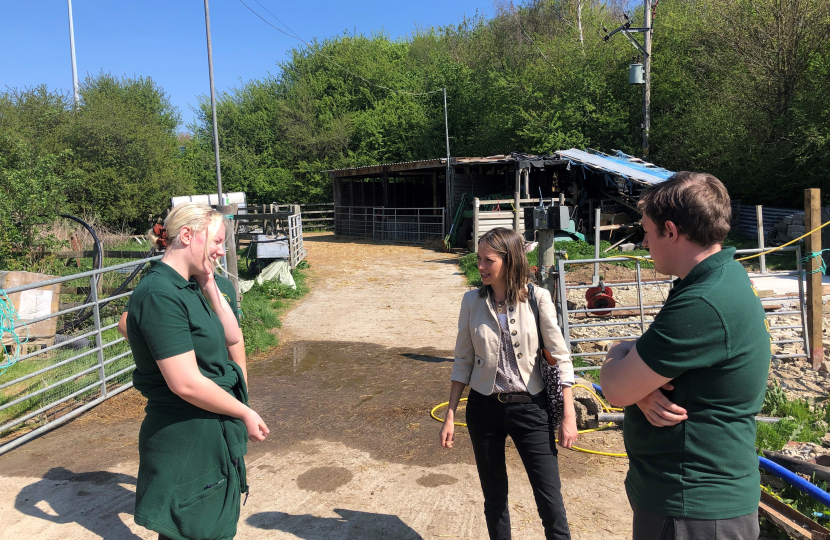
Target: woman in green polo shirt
(192,441)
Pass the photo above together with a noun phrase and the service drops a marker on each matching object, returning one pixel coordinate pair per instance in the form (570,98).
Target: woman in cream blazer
(497,355)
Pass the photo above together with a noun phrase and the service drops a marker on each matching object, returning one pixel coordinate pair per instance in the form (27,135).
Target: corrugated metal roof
(622,165)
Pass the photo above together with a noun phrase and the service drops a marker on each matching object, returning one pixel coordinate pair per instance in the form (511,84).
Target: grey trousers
(650,526)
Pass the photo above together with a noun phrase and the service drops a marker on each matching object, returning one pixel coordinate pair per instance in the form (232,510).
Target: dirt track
(353,451)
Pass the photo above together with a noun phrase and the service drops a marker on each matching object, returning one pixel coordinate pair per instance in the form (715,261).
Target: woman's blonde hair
(197,216)
(511,247)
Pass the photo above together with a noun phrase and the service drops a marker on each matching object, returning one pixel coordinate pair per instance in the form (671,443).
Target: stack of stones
(789,228)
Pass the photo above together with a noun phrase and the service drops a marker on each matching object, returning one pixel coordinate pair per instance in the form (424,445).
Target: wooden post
(759,214)
(812,220)
(230,242)
(475,224)
(516,198)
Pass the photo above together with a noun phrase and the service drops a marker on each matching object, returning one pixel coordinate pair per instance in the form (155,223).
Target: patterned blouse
(508,377)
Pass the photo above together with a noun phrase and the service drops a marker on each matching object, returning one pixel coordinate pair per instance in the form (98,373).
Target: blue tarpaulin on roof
(623,165)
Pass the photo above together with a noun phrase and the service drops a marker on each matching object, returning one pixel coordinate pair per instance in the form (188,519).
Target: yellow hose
(577,448)
(608,408)
(785,245)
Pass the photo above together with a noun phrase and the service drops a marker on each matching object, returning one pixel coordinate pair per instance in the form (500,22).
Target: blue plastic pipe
(793,479)
(598,388)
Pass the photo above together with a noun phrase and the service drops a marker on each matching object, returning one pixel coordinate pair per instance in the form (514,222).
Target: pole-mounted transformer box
(636,74)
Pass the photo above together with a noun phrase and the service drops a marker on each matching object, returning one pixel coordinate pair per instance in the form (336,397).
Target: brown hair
(697,203)
(511,247)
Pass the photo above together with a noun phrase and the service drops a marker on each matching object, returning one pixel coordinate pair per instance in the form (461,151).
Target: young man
(693,383)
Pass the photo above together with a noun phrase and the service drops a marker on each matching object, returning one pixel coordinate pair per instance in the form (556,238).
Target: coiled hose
(97,264)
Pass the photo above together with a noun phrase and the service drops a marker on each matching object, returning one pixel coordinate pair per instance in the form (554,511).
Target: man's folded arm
(625,378)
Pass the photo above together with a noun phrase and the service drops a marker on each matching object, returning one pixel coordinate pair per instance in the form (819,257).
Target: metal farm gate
(87,363)
(296,251)
(580,326)
(406,225)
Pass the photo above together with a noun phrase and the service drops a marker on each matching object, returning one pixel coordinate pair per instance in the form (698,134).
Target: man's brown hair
(697,203)
(511,247)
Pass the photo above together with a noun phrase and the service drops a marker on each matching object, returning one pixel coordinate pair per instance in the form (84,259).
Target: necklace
(500,307)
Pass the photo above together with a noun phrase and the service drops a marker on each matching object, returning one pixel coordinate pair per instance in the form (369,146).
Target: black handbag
(550,373)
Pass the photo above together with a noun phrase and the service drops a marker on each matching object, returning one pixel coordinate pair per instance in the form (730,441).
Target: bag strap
(534,307)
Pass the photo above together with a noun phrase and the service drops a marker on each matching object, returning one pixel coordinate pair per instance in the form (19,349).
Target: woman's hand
(447,431)
(257,430)
(206,283)
(567,427)
(567,431)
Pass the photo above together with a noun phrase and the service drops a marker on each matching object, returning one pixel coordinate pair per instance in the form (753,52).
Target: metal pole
(647,77)
(759,214)
(476,223)
(99,342)
(547,259)
(449,186)
(72,50)
(213,105)
(563,299)
(640,298)
(597,216)
(517,201)
(802,300)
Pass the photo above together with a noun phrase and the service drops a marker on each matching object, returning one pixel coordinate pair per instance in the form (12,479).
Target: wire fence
(86,361)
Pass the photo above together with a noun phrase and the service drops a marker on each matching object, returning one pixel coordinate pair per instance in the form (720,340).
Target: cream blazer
(477,344)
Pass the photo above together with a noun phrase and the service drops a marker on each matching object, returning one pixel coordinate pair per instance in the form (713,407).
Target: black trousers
(489,423)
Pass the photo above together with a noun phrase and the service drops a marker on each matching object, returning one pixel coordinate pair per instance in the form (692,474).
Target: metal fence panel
(408,225)
(88,363)
(356,221)
(614,331)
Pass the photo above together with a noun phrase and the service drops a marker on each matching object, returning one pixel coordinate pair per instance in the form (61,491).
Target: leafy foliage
(739,90)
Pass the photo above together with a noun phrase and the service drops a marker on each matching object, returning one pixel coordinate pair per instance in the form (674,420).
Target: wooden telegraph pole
(812,220)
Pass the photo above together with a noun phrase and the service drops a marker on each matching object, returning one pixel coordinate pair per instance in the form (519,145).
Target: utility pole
(230,259)
(448,218)
(643,74)
(213,105)
(647,25)
(72,51)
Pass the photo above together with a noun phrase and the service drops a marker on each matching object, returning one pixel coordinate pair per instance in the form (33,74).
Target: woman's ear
(186,235)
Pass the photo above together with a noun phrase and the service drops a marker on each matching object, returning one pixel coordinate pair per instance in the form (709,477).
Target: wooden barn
(421,201)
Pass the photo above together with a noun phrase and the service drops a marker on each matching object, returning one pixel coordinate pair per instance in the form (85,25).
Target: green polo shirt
(169,316)
(711,339)
(225,287)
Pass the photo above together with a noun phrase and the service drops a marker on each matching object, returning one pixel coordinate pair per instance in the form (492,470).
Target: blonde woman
(497,353)
(191,445)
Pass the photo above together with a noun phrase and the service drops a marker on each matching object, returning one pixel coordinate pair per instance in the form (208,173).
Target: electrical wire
(332,60)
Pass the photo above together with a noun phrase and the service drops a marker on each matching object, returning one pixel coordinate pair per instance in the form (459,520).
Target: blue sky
(166,39)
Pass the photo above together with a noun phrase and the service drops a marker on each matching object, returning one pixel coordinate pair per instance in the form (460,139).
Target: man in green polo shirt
(694,381)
